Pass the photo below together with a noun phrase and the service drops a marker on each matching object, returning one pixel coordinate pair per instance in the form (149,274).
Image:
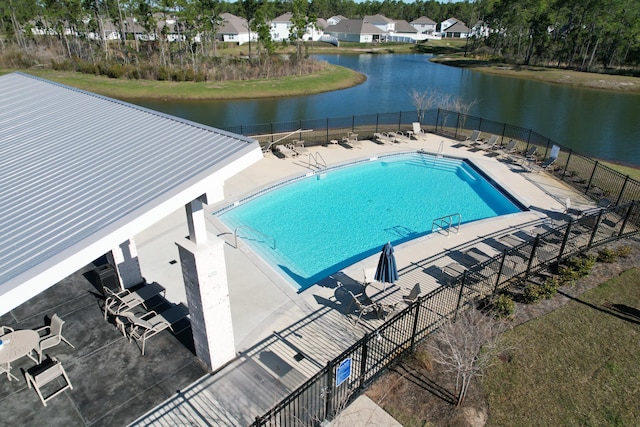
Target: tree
(249,8)
(424,101)
(300,22)
(467,346)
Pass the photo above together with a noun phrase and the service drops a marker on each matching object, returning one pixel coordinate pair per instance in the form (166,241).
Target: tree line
(587,35)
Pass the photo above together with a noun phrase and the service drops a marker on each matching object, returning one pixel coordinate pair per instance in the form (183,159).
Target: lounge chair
(531,153)
(453,270)
(50,371)
(508,149)
(287,150)
(490,145)
(53,336)
(351,139)
(417,130)
(299,148)
(413,294)
(383,138)
(126,300)
(548,163)
(141,328)
(398,137)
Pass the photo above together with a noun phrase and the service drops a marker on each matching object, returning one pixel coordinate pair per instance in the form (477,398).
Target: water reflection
(597,123)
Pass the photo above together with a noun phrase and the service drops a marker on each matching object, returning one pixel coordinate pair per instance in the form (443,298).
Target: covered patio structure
(81,175)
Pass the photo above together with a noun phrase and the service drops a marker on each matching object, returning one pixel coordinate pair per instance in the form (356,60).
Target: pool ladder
(318,160)
(446,223)
(260,233)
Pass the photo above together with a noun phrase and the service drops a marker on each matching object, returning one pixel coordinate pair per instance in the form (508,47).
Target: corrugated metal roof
(73,164)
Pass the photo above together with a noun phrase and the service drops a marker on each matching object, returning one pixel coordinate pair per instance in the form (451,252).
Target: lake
(594,122)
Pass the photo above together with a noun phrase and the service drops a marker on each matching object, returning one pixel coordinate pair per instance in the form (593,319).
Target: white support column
(205,278)
(124,259)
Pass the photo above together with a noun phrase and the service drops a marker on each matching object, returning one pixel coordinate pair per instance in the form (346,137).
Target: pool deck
(274,325)
(281,323)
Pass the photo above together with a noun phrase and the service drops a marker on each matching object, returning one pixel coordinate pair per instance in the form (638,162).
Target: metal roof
(76,168)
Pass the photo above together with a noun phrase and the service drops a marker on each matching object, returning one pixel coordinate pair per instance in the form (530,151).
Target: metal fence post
(437,120)
(593,172)
(328,395)
(566,165)
(363,362)
(533,254)
(327,130)
(353,123)
(565,239)
(595,228)
(504,256)
(504,129)
(624,186)
(414,331)
(626,217)
(455,134)
(464,279)
(529,137)
(377,121)
(399,121)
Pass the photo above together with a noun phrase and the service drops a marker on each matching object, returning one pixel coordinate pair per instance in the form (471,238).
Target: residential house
(405,33)
(234,30)
(424,25)
(453,28)
(281,28)
(356,30)
(382,22)
(335,19)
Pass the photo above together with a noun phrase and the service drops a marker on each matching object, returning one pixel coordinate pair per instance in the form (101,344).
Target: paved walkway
(284,337)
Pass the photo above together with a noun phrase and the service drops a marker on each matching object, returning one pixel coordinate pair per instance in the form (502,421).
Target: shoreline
(559,76)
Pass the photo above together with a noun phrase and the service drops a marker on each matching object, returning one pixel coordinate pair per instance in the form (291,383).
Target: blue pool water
(328,221)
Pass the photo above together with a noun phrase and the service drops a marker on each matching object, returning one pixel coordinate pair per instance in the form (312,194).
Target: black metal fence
(583,173)
(325,394)
(320,398)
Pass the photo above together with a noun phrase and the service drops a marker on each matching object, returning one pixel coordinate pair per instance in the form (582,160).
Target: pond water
(594,122)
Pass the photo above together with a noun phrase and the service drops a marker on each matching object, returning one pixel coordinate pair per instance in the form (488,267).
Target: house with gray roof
(424,25)
(234,29)
(356,30)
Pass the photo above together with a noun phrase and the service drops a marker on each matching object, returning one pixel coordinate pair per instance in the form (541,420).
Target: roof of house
(354,26)
(233,24)
(82,173)
(423,20)
(285,17)
(458,27)
(377,19)
(403,26)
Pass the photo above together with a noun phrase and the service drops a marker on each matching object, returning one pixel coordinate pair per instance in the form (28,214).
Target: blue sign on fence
(344,371)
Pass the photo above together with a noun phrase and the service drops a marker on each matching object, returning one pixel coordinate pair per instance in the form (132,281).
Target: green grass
(575,366)
(331,78)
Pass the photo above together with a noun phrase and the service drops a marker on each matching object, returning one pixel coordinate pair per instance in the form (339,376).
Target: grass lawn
(330,78)
(575,366)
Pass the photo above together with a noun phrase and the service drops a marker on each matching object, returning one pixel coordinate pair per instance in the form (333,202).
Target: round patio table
(18,344)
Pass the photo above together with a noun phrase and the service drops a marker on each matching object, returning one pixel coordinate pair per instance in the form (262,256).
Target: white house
(454,28)
(405,33)
(382,22)
(234,30)
(424,25)
(281,28)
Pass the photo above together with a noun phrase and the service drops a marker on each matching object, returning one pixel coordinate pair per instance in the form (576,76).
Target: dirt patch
(417,392)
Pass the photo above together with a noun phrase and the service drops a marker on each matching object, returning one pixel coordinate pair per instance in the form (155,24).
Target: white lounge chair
(298,147)
(417,130)
(286,150)
(351,139)
(141,328)
(490,145)
(383,138)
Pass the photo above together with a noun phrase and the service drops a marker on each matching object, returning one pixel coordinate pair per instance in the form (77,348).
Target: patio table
(16,345)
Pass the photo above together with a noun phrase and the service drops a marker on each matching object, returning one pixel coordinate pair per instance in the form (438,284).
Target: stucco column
(205,278)
(124,259)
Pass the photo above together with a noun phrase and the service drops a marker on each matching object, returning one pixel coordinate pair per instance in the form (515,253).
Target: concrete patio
(282,337)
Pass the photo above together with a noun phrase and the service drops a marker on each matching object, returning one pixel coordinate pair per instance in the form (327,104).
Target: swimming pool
(314,226)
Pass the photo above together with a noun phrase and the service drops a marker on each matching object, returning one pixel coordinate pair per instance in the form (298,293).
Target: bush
(623,251)
(163,74)
(532,293)
(607,255)
(550,287)
(503,307)
(576,268)
(115,71)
